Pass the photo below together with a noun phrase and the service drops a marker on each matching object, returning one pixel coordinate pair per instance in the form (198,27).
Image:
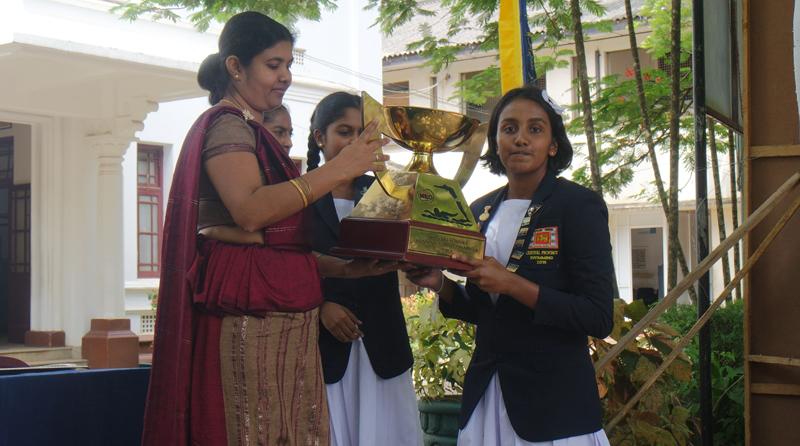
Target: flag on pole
(516,57)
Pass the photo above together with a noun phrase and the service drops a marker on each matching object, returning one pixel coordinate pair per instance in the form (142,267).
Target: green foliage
(551,21)
(442,347)
(658,14)
(203,12)
(618,125)
(481,87)
(153,298)
(660,418)
(727,372)
(440,53)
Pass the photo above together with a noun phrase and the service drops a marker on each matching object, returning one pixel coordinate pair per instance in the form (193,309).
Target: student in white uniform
(543,286)
(366,357)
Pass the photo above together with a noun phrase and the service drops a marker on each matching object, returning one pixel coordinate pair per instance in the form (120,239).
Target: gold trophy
(415,215)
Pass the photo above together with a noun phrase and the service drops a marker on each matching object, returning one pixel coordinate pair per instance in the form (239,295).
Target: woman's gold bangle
(306,188)
(300,190)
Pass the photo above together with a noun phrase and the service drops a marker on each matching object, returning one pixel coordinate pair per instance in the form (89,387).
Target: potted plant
(442,349)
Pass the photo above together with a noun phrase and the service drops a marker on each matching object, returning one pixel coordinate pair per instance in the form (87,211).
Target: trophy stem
(422,162)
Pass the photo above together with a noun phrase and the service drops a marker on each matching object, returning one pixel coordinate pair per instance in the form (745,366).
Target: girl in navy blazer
(542,288)
(366,358)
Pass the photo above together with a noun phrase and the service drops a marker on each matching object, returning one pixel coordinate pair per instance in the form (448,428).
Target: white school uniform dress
(489,423)
(365,409)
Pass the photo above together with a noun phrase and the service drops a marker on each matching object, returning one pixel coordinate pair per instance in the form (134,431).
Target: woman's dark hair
(245,35)
(329,109)
(270,115)
(557,163)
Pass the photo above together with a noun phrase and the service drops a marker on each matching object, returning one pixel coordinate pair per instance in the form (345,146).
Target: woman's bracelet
(295,183)
(306,188)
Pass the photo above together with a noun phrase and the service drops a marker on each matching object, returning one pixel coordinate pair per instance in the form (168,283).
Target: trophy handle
(472,149)
(373,110)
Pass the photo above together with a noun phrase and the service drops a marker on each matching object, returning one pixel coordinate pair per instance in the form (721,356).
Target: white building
(638,227)
(83,96)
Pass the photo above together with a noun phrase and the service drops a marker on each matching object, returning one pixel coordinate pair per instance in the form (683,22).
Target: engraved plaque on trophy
(415,215)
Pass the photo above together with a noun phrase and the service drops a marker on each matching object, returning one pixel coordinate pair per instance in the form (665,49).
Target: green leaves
(203,12)
(481,87)
(660,417)
(635,310)
(619,129)
(727,359)
(442,348)
(394,13)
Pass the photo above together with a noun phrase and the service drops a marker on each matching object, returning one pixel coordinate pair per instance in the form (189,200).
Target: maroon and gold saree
(205,283)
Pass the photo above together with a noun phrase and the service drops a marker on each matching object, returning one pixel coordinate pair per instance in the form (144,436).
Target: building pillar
(110,291)
(77,256)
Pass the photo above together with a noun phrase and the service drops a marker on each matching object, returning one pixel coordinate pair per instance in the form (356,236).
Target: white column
(110,279)
(47,223)
(77,220)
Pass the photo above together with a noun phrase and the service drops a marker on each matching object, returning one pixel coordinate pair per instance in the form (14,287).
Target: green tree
(647,129)
(203,12)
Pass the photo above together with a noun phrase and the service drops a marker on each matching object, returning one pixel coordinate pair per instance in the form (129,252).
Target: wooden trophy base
(408,241)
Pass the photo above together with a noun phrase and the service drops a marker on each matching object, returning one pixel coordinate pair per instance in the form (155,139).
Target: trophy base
(408,241)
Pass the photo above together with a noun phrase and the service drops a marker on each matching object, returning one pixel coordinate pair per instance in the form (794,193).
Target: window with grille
(7,160)
(21,229)
(299,56)
(665,63)
(6,184)
(147,323)
(541,81)
(149,226)
(396,93)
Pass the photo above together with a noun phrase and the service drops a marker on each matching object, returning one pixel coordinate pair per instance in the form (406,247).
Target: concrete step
(56,362)
(41,354)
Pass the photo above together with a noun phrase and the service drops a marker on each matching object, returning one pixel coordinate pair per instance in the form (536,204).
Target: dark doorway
(647,258)
(15,230)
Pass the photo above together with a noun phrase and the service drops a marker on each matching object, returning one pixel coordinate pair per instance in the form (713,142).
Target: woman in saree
(236,358)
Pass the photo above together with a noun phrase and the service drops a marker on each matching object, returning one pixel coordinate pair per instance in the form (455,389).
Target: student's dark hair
(270,115)
(557,163)
(245,35)
(329,109)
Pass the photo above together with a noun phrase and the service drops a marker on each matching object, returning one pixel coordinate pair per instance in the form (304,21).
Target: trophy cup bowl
(415,215)
(426,131)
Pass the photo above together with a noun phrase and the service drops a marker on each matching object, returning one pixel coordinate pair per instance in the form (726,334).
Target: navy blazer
(374,300)
(541,356)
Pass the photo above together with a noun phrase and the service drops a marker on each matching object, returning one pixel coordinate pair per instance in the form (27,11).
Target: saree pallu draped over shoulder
(208,285)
